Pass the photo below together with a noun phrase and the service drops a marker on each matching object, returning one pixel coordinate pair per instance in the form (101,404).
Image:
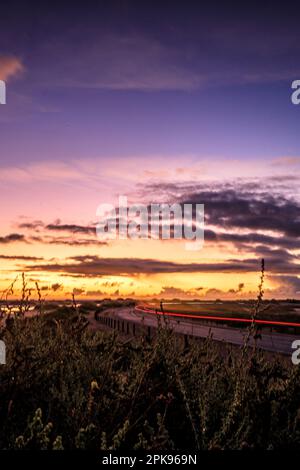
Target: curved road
(273,342)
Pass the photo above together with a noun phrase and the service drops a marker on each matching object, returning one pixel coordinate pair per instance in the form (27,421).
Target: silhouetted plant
(65,387)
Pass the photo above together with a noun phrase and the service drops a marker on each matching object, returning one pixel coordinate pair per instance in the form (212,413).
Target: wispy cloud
(58,233)
(46,171)
(20,258)
(286,161)
(71,228)
(131,61)
(10,66)
(95,266)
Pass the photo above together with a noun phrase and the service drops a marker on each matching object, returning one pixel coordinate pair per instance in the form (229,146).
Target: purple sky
(107,98)
(121,79)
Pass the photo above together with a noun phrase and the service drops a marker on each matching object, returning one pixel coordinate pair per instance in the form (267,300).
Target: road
(273,342)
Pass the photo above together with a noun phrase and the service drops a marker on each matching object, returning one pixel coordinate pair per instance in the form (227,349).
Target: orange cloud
(9,67)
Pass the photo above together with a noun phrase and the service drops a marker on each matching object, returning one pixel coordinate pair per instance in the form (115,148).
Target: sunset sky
(168,103)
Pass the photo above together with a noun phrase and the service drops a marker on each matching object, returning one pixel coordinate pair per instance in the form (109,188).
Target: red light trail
(217,318)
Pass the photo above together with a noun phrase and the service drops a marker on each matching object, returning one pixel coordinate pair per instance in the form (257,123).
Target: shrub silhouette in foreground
(65,386)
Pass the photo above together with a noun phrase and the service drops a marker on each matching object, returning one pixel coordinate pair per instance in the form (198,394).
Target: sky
(163,102)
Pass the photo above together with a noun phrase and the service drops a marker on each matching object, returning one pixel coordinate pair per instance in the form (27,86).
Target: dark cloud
(68,241)
(71,228)
(58,227)
(75,242)
(20,258)
(77,291)
(112,284)
(94,266)
(36,224)
(229,209)
(56,286)
(238,205)
(213,292)
(13,237)
(238,290)
(172,292)
(94,293)
(252,239)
